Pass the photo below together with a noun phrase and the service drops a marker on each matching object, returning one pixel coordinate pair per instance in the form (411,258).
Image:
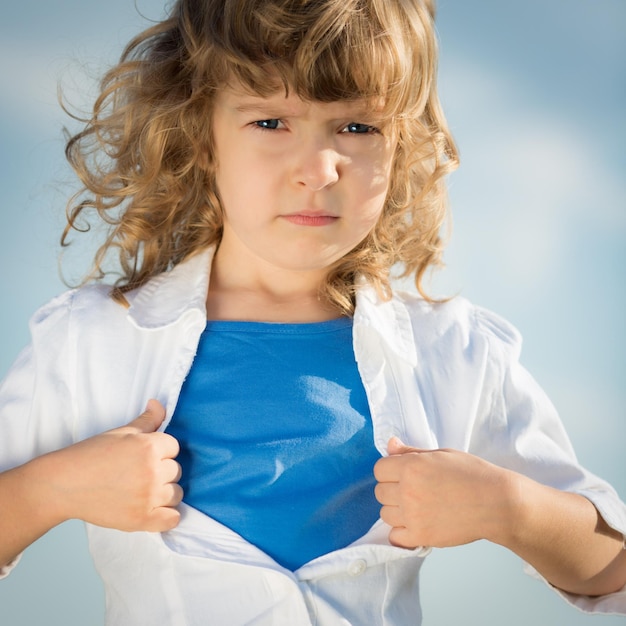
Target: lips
(310,218)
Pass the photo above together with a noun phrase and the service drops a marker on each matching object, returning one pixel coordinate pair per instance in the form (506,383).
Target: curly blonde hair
(145,156)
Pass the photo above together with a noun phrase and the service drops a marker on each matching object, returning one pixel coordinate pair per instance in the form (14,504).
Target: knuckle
(174,444)
(179,472)
(377,468)
(413,472)
(405,490)
(142,442)
(150,478)
(178,494)
(167,519)
(174,520)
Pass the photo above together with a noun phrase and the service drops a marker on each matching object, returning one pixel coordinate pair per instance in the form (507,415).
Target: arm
(444,498)
(124,478)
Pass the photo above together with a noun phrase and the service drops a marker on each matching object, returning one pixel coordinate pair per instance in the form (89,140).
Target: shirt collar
(390,319)
(164,299)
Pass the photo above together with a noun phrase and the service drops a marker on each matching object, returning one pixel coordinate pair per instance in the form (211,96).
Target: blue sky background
(535,94)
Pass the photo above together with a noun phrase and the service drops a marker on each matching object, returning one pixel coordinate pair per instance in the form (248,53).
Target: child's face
(301,183)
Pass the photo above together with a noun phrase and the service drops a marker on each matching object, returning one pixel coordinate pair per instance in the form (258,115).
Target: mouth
(310,218)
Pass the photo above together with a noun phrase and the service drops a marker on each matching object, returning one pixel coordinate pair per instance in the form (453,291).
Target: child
(267,170)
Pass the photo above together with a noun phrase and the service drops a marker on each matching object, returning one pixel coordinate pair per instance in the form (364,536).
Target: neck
(249,291)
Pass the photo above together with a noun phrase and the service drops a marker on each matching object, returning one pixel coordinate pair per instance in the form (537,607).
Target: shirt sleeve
(9,567)
(36,409)
(523,432)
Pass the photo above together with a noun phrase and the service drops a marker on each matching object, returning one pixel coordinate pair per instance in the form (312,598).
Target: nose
(316,167)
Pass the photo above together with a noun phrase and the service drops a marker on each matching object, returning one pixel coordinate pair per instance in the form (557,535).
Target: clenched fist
(125,478)
(440,498)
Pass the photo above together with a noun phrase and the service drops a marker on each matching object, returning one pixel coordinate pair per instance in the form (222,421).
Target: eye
(359,129)
(271,124)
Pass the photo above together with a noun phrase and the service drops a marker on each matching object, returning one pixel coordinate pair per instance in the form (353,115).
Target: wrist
(512,510)
(45,482)
(32,508)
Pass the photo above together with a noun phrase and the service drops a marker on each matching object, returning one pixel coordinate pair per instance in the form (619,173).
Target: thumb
(150,420)
(397,446)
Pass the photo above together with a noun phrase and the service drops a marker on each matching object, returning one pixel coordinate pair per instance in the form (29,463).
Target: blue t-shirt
(276,436)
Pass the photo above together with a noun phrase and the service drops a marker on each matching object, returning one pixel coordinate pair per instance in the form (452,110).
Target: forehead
(285,102)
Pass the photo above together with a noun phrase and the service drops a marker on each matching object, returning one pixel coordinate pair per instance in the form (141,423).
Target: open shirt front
(444,375)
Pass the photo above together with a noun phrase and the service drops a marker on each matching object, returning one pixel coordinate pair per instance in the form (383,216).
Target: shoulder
(88,305)
(459,322)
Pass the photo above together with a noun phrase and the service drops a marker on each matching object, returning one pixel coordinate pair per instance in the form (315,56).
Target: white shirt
(436,376)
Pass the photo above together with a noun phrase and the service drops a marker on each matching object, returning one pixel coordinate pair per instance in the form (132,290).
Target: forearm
(29,509)
(564,538)
(125,479)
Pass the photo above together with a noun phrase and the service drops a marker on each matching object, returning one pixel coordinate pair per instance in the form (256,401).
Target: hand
(125,478)
(440,498)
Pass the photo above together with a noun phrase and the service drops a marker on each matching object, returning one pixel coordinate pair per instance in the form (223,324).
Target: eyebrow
(275,109)
(261,107)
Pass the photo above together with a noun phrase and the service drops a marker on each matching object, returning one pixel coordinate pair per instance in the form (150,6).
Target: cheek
(238,184)
(372,210)
(372,185)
